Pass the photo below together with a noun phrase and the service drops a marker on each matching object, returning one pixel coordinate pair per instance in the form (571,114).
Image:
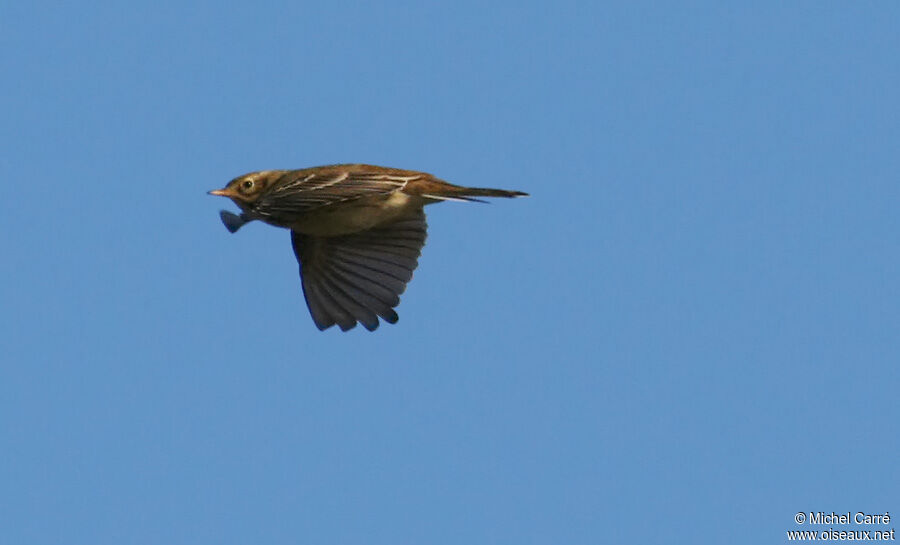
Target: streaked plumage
(357,231)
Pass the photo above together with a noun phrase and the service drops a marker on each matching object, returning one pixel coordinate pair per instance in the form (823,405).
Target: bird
(357,231)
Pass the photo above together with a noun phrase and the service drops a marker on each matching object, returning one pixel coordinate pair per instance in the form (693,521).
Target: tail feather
(484,192)
(449,192)
(457,198)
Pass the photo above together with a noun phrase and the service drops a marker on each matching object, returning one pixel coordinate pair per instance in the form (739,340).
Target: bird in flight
(357,231)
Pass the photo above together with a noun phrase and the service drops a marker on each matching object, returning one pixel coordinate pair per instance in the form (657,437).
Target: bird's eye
(248,184)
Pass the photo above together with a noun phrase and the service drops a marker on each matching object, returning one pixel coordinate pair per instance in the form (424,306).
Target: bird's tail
(450,192)
(484,192)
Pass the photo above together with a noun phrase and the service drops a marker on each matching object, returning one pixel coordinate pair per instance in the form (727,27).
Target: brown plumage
(357,231)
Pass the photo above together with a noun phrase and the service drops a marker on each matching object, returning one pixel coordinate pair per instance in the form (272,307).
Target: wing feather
(359,277)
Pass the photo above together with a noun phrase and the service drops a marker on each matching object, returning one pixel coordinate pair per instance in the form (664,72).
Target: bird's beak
(219,192)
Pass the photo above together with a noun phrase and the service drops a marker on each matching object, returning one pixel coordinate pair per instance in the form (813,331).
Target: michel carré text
(822,517)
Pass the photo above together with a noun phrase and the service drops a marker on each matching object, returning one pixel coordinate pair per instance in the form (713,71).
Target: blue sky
(687,334)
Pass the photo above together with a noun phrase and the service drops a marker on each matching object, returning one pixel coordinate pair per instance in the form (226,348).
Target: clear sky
(687,334)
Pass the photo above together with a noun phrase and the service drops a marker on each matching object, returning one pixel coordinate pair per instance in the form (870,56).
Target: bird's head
(245,190)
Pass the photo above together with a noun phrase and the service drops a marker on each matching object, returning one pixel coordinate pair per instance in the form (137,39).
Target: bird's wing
(359,277)
(300,191)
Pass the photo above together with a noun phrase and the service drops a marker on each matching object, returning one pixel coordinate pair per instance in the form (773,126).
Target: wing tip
(392,318)
(348,326)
